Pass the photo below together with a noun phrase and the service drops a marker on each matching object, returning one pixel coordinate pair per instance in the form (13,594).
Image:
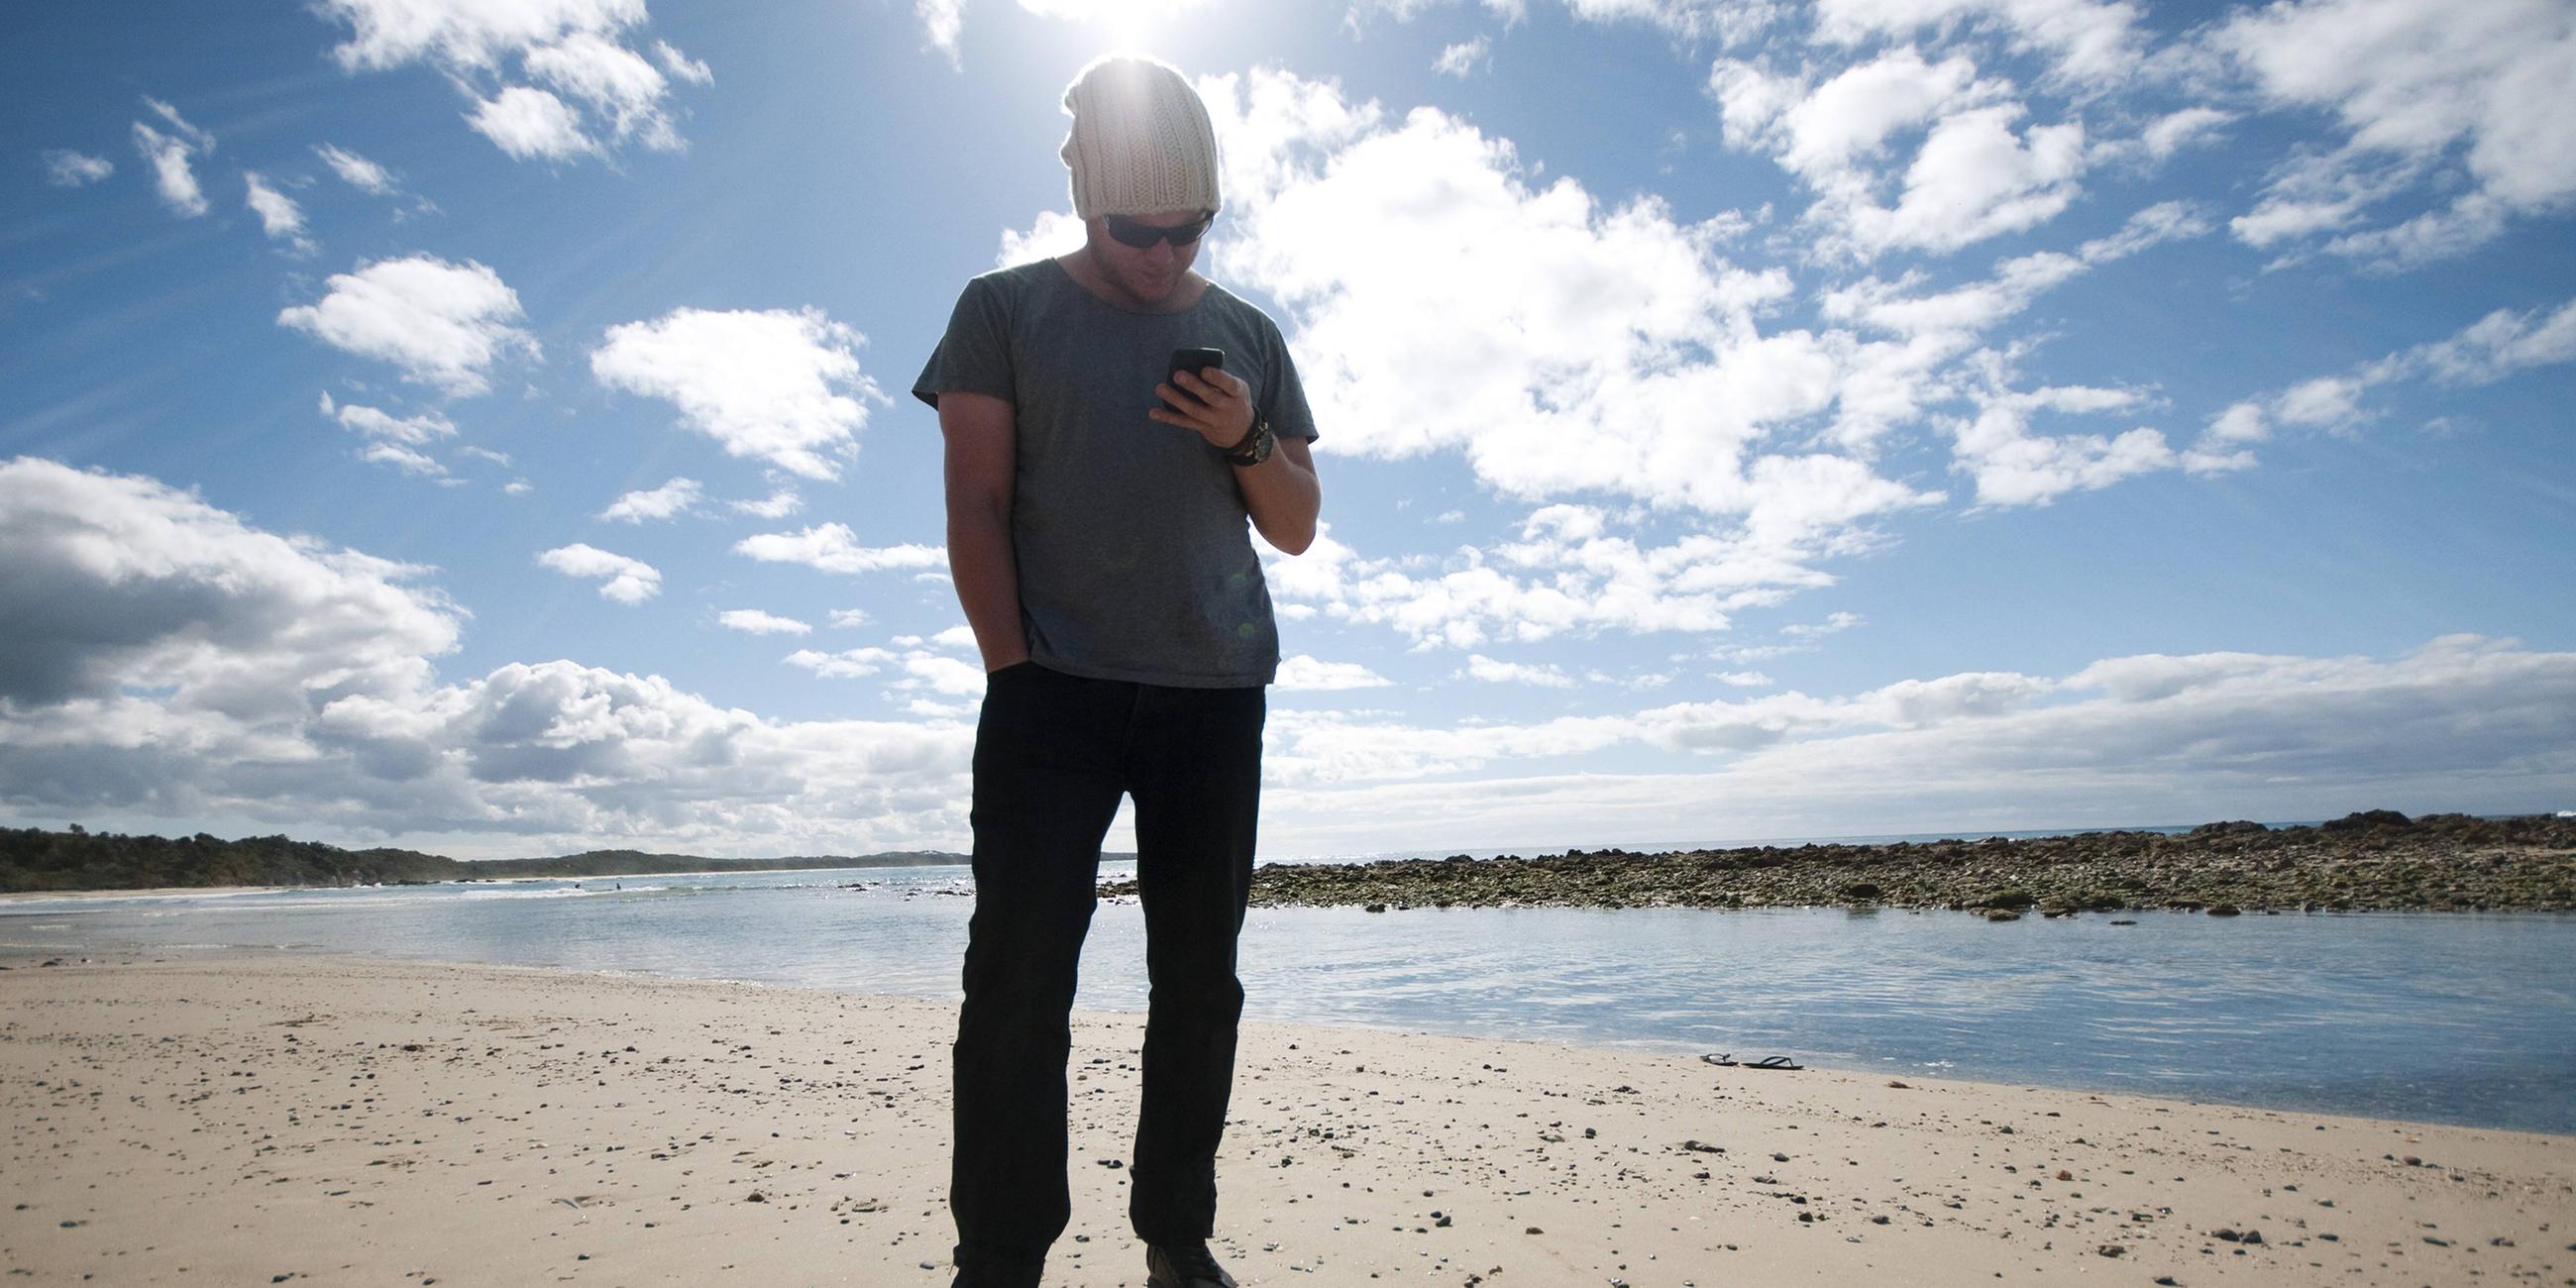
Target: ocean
(2455,1018)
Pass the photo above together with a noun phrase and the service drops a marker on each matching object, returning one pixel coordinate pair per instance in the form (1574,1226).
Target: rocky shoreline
(2375,861)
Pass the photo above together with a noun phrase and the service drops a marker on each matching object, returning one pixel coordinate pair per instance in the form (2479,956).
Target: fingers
(1225,385)
(1215,408)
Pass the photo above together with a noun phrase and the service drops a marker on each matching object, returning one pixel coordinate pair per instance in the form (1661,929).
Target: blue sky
(479,426)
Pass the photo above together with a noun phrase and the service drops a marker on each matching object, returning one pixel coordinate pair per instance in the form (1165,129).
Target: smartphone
(1194,361)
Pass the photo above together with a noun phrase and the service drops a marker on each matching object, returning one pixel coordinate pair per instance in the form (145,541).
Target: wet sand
(258,1118)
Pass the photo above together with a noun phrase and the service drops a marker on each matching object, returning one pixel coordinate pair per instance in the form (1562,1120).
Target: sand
(280,1118)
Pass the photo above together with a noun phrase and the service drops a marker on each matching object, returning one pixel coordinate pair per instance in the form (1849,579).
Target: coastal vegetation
(35,859)
(2379,860)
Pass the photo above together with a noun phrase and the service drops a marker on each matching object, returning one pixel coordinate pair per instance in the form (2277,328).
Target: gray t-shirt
(1134,547)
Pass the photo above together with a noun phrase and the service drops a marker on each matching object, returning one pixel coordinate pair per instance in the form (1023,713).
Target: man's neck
(1088,276)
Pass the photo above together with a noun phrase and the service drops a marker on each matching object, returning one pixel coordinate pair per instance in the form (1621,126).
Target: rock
(2233,827)
(2365,820)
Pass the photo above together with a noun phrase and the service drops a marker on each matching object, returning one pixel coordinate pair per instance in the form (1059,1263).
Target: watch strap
(1256,445)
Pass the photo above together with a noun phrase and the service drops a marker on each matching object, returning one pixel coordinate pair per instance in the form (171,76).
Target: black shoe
(1184,1265)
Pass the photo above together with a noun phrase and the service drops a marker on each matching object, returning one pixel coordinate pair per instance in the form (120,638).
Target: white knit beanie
(1141,142)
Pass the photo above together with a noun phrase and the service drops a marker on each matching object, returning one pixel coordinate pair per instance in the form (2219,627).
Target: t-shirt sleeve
(975,355)
(1286,398)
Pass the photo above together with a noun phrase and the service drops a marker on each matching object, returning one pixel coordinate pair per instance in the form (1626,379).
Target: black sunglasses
(1142,236)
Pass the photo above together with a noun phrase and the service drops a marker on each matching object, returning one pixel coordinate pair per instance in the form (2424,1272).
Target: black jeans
(1053,753)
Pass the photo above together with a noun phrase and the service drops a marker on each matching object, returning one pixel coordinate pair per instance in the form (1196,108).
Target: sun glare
(1115,24)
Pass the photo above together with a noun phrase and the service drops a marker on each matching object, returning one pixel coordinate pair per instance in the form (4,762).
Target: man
(1097,503)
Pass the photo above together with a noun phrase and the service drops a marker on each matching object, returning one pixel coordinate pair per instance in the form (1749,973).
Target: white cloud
(1727,20)
(1976,178)
(2176,130)
(279,216)
(848,618)
(1834,623)
(1570,572)
(832,547)
(404,459)
(2013,465)
(1460,60)
(1952,320)
(628,581)
(443,324)
(2327,402)
(123,587)
(213,672)
(681,66)
(1976,174)
(758,622)
(780,386)
(615,81)
(410,431)
(946,676)
(577,46)
(1997,446)
(169,156)
(1850,117)
(198,141)
(914,670)
(679,496)
(172,665)
(1300,673)
(2089,44)
(526,122)
(2240,423)
(356,171)
(2488,350)
(1056,233)
(847,664)
(466,33)
(1539,675)
(65,168)
(942,21)
(2500,344)
(1581,346)
(1743,679)
(2471,99)
(2461,723)
(777,505)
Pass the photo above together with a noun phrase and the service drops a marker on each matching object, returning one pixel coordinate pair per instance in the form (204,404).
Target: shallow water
(2457,1018)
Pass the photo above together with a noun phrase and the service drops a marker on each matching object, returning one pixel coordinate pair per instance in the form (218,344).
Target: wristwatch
(1255,447)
